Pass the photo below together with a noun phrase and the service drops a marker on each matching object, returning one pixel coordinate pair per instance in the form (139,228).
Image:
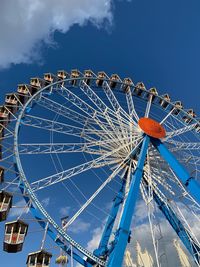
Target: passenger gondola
(40,258)
(15,233)
(5,204)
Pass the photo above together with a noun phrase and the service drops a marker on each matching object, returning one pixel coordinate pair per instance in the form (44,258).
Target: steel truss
(116,253)
(110,134)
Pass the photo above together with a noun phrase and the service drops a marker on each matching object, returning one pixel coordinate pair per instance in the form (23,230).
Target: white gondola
(139,88)
(40,258)
(37,84)
(178,106)
(74,74)
(101,76)
(164,101)
(50,78)
(188,119)
(127,83)
(15,233)
(62,74)
(113,80)
(12,102)
(24,92)
(5,204)
(88,74)
(153,93)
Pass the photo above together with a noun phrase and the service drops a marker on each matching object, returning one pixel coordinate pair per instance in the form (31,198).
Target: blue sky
(156,42)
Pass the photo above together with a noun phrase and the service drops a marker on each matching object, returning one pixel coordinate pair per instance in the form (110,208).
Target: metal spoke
(180,131)
(117,108)
(65,111)
(104,109)
(88,202)
(63,128)
(58,148)
(54,126)
(131,107)
(177,145)
(89,147)
(167,116)
(86,89)
(59,177)
(148,106)
(114,102)
(98,117)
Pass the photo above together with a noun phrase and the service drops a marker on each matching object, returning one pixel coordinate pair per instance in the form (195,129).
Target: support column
(103,245)
(123,232)
(179,228)
(189,182)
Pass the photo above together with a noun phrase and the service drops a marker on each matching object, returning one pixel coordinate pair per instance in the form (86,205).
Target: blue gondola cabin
(15,233)
(39,259)
(5,204)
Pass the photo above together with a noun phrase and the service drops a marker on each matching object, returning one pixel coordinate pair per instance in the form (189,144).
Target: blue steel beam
(103,245)
(189,182)
(123,232)
(179,228)
(177,225)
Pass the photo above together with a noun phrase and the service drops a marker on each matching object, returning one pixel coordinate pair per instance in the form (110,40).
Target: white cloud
(27,24)
(79,226)
(140,215)
(18,209)
(141,232)
(96,236)
(140,212)
(45,202)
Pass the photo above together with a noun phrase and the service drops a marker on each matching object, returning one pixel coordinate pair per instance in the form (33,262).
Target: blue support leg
(123,232)
(189,182)
(179,228)
(102,250)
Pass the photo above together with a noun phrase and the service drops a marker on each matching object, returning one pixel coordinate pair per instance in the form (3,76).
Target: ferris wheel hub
(152,127)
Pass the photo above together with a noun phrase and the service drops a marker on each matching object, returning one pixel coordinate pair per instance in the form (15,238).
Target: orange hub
(152,128)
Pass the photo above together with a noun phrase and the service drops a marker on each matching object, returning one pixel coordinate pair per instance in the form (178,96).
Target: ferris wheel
(94,146)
